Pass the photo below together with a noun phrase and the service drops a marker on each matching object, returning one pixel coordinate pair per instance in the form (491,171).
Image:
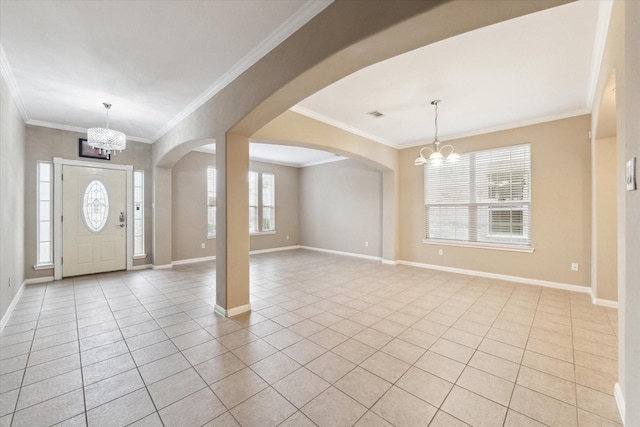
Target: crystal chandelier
(437,155)
(106,140)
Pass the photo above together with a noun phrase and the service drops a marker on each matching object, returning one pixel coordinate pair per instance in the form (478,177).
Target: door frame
(58,164)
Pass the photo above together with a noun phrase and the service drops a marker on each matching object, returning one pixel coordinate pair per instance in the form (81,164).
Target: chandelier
(104,139)
(437,155)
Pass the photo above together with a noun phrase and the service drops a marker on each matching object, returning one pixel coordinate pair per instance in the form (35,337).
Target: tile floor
(331,341)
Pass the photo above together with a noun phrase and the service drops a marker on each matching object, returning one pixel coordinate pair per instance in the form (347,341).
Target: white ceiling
(158,61)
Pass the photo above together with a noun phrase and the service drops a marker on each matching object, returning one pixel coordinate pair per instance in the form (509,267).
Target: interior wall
(12,134)
(561,206)
(189,211)
(605,218)
(43,144)
(341,208)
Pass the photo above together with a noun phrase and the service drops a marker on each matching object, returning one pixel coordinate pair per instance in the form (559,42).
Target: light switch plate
(631,175)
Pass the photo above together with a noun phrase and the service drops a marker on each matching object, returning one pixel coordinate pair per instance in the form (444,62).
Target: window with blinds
(253,202)
(211,201)
(482,199)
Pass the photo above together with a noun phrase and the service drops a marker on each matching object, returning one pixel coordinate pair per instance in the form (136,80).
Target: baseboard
(617,393)
(141,267)
(14,301)
(193,260)
(389,262)
(603,302)
(232,311)
(283,248)
(351,254)
(523,280)
(162,267)
(37,280)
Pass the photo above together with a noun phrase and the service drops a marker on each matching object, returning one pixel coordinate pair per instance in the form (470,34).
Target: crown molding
(599,41)
(76,129)
(14,90)
(341,125)
(297,20)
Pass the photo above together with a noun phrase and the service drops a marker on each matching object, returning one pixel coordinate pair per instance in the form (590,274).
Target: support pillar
(390,215)
(162,218)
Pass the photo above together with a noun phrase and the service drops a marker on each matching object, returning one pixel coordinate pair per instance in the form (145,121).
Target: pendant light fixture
(437,155)
(104,139)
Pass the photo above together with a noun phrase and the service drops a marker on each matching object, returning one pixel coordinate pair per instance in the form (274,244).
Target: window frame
(212,195)
(40,263)
(142,252)
(521,242)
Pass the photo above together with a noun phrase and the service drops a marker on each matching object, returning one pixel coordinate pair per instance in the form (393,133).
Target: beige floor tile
(363,386)
(175,387)
(516,419)
(252,352)
(442,419)
(547,384)
(51,411)
(543,408)
(486,385)
(551,337)
(595,380)
(330,367)
(122,411)
(594,347)
(452,350)
(238,387)
(430,327)
(428,387)
(213,370)
(301,387)
(417,337)
(354,351)
(403,350)
(328,338)
(599,403)
(275,367)
(347,327)
(373,338)
(403,409)
(385,366)
(304,351)
(551,350)
(494,365)
(473,409)
(596,363)
(370,419)
(549,365)
(587,419)
(264,409)
(111,388)
(195,409)
(461,337)
(344,410)
(440,366)
(506,337)
(599,337)
(298,419)
(504,351)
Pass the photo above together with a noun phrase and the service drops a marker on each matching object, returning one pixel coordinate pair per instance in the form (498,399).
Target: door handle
(121,225)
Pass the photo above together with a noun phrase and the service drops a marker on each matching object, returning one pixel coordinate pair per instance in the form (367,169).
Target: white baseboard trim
(617,393)
(523,280)
(162,267)
(193,260)
(38,280)
(232,311)
(141,267)
(14,301)
(389,262)
(282,248)
(603,302)
(351,254)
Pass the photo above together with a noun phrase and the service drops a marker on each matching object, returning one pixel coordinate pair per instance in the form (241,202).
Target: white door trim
(58,163)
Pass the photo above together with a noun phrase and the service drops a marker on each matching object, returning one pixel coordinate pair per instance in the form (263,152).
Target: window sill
(475,245)
(43,267)
(211,237)
(261,233)
(141,256)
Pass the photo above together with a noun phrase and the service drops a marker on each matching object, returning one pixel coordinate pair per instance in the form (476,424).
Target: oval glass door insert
(95,206)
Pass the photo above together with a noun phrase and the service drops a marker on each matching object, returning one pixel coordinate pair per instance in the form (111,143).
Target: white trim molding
(389,262)
(193,260)
(603,302)
(351,254)
(39,280)
(163,267)
(232,311)
(282,248)
(14,301)
(142,267)
(523,280)
(617,393)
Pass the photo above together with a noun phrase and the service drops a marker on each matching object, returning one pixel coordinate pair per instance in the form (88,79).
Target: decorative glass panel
(95,206)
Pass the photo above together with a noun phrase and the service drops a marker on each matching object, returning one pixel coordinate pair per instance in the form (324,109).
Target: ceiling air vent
(375,113)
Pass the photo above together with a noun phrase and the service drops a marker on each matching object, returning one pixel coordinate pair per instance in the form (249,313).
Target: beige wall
(45,144)
(189,212)
(605,219)
(561,206)
(12,130)
(341,207)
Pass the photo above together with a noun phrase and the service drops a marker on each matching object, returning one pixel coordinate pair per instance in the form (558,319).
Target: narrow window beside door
(138,214)
(45,231)
(211,202)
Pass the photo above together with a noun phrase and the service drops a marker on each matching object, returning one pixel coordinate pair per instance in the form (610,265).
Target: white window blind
(253,202)
(484,198)
(268,202)
(211,201)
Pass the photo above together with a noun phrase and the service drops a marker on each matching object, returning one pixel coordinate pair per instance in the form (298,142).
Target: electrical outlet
(203,246)
(287,237)
(440,252)
(574,266)
(9,281)
(366,244)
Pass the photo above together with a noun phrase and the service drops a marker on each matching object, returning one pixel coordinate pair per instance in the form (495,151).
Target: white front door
(93,220)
